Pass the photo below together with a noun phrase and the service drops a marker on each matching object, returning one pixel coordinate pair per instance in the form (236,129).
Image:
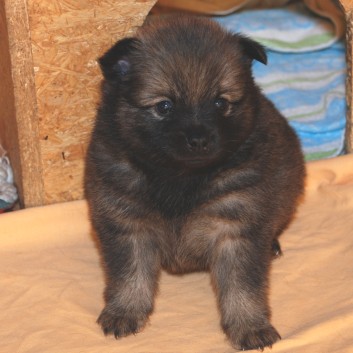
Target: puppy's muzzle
(197,146)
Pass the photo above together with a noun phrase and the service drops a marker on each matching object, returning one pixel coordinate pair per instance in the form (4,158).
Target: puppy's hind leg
(239,273)
(133,266)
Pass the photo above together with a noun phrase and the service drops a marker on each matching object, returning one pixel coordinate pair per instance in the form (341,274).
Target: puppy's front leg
(132,265)
(239,272)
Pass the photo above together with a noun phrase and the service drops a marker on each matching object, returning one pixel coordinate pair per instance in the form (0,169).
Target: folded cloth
(8,192)
(292,28)
(309,90)
(305,77)
(329,8)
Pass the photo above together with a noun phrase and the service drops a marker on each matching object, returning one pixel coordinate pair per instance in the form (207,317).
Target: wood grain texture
(347,8)
(8,124)
(21,131)
(52,91)
(347,4)
(67,37)
(349,82)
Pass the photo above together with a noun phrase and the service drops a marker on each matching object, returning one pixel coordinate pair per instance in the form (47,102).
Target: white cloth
(8,192)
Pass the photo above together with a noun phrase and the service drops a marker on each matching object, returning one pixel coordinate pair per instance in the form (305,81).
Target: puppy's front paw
(256,338)
(121,324)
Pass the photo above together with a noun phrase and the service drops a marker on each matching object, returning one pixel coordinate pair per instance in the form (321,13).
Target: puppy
(190,168)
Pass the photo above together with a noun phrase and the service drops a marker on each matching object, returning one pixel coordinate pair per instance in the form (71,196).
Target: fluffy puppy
(190,168)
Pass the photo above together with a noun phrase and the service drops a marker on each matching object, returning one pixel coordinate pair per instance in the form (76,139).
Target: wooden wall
(348,9)
(50,86)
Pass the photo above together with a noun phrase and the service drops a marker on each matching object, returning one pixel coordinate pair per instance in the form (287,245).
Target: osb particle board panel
(347,4)
(19,125)
(348,7)
(66,37)
(8,132)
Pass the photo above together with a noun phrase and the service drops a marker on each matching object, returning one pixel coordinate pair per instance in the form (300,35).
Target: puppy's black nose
(198,144)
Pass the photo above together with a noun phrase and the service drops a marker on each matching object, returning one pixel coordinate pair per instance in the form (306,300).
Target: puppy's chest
(175,199)
(186,242)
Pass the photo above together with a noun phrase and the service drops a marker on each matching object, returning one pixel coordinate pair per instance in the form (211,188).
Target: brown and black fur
(190,168)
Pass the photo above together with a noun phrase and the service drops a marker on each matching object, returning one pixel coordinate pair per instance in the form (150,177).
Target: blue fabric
(308,87)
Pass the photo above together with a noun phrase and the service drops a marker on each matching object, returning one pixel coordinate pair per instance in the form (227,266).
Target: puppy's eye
(164,107)
(221,104)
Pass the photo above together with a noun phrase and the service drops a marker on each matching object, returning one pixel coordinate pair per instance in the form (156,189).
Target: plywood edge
(347,4)
(349,82)
(347,7)
(8,124)
(31,190)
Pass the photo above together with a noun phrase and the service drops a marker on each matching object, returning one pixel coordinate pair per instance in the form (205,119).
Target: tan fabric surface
(325,8)
(51,282)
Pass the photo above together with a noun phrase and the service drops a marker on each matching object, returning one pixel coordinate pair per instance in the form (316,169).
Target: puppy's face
(183,92)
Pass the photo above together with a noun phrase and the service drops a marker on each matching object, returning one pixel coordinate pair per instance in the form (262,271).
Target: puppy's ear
(115,63)
(252,49)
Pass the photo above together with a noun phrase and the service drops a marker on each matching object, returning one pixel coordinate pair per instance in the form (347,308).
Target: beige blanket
(325,8)
(51,282)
